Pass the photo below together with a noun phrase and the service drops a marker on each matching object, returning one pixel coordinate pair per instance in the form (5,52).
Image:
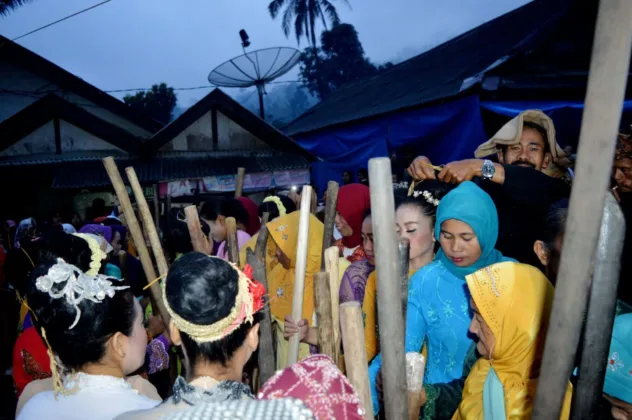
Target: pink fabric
(242,239)
(320,385)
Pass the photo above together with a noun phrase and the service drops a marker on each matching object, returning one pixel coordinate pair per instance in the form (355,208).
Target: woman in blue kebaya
(438,299)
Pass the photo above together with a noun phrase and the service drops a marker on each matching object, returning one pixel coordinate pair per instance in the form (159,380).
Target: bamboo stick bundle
(158,305)
(301,266)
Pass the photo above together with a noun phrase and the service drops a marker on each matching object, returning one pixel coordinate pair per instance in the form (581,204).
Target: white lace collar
(79,381)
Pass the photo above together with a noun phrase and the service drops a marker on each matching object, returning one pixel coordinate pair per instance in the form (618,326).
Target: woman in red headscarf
(353,203)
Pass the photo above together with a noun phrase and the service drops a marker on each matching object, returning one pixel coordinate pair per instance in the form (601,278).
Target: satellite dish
(255,68)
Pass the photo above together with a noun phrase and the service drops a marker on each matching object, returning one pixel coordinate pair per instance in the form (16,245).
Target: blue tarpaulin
(444,132)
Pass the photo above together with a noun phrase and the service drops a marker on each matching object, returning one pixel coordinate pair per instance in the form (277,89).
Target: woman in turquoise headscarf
(438,299)
(617,387)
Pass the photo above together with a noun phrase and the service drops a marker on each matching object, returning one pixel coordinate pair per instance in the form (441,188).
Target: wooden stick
(301,265)
(262,241)
(322,295)
(239,183)
(267,356)
(331,263)
(389,293)
(330,217)
(404,260)
(314,208)
(148,222)
(156,206)
(198,239)
(600,123)
(168,213)
(157,304)
(352,326)
(232,247)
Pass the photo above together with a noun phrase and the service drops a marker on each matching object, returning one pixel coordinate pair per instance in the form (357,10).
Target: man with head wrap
(529,176)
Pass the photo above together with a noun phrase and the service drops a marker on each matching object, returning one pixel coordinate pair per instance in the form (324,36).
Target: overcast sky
(136,43)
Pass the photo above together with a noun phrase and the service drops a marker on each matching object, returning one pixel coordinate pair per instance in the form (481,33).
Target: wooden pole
(330,217)
(331,264)
(168,213)
(262,241)
(198,239)
(600,122)
(322,295)
(352,326)
(404,260)
(239,183)
(157,304)
(389,300)
(267,357)
(156,206)
(301,265)
(415,367)
(601,312)
(232,247)
(148,222)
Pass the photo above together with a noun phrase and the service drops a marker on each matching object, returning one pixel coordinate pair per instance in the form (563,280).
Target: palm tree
(305,13)
(8,5)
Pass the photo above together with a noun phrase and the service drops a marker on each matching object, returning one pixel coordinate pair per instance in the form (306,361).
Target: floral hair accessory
(79,286)
(249,300)
(427,195)
(276,200)
(97,253)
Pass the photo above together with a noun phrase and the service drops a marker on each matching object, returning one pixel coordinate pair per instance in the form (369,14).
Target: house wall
(28,87)
(42,140)
(198,136)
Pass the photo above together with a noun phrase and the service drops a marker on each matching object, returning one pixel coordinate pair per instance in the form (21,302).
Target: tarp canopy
(443,132)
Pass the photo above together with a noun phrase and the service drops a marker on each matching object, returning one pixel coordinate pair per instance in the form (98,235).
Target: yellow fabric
(284,233)
(515,300)
(283,345)
(271,260)
(369,309)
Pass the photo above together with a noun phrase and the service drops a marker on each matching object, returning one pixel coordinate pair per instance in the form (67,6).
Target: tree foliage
(157,103)
(7,6)
(338,61)
(302,15)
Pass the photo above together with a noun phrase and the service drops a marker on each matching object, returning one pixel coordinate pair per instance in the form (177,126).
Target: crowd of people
(485,243)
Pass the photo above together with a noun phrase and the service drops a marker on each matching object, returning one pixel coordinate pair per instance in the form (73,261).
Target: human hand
(460,171)
(421,169)
(291,328)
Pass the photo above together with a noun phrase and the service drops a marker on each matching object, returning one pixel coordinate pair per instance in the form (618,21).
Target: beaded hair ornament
(79,286)
(427,195)
(276,200)
(97,253)
(249,300)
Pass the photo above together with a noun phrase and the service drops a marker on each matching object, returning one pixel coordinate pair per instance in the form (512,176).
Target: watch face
(488,169)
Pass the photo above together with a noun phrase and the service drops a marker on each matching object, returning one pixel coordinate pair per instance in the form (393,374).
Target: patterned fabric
(320,385)
(30,359)
(357,254)
(439,314)
(354,281)
(156,355)
(284,233)
(353,202)
(194,395)
(618,383)
(289,409)
(515,301)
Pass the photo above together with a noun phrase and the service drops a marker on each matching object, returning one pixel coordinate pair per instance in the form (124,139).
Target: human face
(218,229)
(413,225)
(346,178)
(342,226)
(116,243)
(134,346)
(283,259)
(459,243)
(622,174)
(480,329)
(367,239)
(530,152)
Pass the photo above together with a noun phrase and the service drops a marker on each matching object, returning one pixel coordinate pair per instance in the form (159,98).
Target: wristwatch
(488,170)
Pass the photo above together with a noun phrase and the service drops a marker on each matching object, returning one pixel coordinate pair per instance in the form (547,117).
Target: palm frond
(274,7)
(7,6)
(288,15)
(313,11)
(300,24)
(330,11)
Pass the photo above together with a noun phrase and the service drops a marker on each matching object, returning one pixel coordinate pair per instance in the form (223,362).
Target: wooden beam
(600,123)
(214,132)
(56,125)
(389,294)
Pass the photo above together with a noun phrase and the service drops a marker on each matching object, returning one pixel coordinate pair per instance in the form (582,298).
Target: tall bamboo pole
(301,266)
(198,239)
(239,183)
(158,305)
(232,247)
(330,217)
(404,261)
(389,294)
(600,122)
(332,260)
(322,296)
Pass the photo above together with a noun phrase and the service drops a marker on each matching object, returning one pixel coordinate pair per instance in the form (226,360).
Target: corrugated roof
(170,168)
(438,73)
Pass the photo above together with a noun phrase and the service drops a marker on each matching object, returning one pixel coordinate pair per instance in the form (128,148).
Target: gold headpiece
(248,301)
(97,253)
